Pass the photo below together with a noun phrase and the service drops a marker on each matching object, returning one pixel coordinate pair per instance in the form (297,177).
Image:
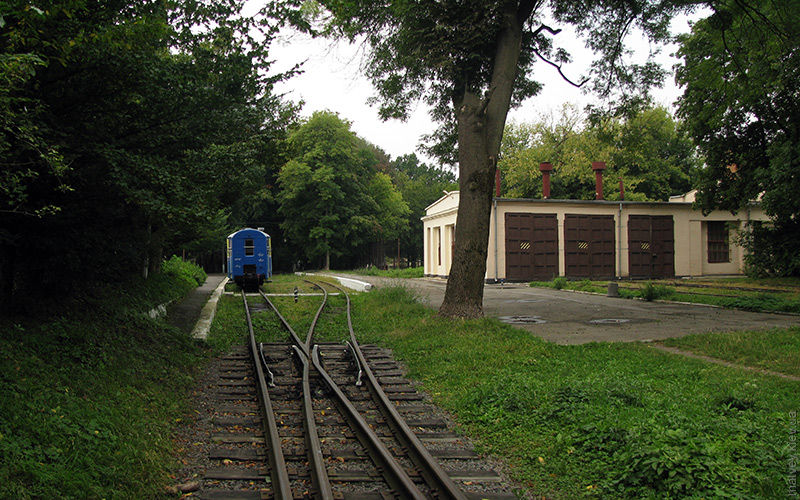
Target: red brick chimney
(496,182)
(621,190)
(598,167)
(546,168)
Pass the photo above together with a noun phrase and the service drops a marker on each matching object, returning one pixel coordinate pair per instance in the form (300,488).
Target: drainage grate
(522,320)
(608,321)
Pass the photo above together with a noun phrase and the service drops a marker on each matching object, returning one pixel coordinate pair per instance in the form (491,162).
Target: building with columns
(539,239)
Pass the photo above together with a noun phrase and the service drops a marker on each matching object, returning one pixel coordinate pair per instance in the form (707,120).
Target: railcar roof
(247,229)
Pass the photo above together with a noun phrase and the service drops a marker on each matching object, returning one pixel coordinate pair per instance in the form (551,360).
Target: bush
(650,291)
(180,268)
(559,282)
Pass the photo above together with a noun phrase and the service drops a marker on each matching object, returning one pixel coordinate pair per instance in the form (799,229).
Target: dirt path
(717,361)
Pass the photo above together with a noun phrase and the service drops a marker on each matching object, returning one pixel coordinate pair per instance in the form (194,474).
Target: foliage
(331,197)
(92,389)
(420,185)
(740,72)
(434,50)
(179,268)
(559,282)
(646,150)
(651,291)
(771,250)
(139,128)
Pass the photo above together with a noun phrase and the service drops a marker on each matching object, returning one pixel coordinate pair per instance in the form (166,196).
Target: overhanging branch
(560,72)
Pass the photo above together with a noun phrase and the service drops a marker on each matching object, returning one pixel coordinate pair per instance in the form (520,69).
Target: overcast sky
(332,80)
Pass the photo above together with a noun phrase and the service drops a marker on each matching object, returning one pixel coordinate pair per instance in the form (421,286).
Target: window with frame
(249,247)
(718,246)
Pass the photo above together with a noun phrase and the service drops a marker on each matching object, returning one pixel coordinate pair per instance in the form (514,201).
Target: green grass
(750,300)
(777,349)
(91,391)
(408,272)
(606,420)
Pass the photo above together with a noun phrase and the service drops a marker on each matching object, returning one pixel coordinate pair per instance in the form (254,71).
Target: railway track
(308,419)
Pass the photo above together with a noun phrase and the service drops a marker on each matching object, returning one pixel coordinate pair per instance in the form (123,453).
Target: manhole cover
(522,320)
(608,321)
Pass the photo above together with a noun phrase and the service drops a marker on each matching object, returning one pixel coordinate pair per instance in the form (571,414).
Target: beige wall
(690,232)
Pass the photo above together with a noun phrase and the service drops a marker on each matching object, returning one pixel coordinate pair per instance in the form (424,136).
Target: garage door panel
(651,246)
(531,246)
(589,246)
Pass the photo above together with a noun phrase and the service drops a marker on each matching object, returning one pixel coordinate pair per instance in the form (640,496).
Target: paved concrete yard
(566,317)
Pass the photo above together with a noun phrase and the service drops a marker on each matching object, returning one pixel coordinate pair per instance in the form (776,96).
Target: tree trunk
(327,260)
(7,272)
(464,294)
(146,263)
(480,130)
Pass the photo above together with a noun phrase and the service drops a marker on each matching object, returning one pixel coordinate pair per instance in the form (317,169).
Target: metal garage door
(651,246)
(589,250)
(531,246)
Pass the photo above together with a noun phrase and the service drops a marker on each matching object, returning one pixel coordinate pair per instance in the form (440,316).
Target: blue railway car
(249,258)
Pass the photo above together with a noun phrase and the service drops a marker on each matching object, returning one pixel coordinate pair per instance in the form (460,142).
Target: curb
(359,286)
(203,325)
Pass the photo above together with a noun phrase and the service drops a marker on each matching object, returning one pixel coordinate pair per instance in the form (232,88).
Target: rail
(277,465)
(392,472)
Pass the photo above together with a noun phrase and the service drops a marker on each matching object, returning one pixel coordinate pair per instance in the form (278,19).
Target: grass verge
(748,296)
(408,272)
(777,349)
(596,420)
(89,392)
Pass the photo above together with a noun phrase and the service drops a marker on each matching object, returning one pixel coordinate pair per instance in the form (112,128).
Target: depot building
(539,239)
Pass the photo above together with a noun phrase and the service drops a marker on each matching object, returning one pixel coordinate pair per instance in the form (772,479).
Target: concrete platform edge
(203,325)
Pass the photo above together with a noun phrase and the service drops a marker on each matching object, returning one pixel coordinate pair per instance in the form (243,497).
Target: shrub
(559,282)
(178,267)
(650,291)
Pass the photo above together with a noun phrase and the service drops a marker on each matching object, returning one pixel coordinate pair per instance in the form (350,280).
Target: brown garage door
(531,246)
(651,246)
(589,250)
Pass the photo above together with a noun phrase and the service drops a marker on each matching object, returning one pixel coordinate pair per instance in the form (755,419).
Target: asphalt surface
(566,317)
(184,313)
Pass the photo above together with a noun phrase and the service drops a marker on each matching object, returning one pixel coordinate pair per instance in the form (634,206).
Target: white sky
(332,80)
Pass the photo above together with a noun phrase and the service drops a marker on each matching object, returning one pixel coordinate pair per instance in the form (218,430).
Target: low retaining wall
(353,284)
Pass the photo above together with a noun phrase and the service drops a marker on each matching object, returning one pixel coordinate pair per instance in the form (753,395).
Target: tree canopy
(332,197)
(646,149)
(127,128)
(741,75)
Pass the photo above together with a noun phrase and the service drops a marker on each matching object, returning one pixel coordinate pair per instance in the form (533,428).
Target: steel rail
(435,477)
(281,485)
(319,473)
(392,472)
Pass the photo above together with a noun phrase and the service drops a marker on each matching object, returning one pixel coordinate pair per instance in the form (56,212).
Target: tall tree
(126,120)
(331,196)
(741,72)
(420,184)
(472,60)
